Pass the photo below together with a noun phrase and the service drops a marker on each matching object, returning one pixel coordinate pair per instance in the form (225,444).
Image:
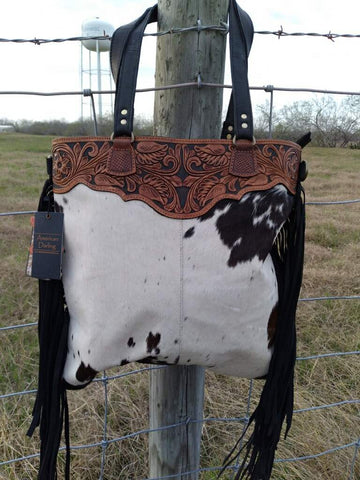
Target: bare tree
(333,124)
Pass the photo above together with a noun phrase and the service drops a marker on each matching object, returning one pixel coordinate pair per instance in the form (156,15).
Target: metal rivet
(244,125)
(229,136)
(244,116)
(124,112)
(230,128)
(123,121)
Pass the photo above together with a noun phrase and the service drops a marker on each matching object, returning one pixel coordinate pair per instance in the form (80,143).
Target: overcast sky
(288,62)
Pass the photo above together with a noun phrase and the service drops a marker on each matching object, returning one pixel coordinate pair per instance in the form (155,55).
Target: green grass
(23,144)
(331,268)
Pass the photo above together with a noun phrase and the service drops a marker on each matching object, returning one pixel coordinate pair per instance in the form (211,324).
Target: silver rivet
(244,116)
(124,112)
(230,128)
(123,121)
(229,136)
(244,125)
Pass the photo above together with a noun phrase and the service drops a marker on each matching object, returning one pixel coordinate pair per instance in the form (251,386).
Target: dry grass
(332,268)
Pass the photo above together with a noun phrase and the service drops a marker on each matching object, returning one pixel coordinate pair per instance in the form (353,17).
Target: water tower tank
(96,28)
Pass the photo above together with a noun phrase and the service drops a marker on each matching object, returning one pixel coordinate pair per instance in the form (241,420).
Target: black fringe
(50,409)
(276,402)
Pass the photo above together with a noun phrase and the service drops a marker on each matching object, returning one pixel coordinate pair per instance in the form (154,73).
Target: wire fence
(222,27)
(105,379)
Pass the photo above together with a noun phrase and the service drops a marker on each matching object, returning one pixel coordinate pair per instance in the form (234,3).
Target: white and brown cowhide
(197,291)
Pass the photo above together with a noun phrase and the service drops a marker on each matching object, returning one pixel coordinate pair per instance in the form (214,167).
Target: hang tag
(46,249)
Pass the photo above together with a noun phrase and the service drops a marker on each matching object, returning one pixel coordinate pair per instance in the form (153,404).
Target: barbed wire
(330,36)
(223,27)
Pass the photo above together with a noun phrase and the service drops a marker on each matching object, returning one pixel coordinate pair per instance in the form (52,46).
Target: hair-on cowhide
(162,290)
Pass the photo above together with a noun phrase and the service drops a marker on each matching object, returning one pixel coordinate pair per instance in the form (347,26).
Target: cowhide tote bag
(176,251)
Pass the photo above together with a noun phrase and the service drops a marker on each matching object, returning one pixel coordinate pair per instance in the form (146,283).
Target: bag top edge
(219,141)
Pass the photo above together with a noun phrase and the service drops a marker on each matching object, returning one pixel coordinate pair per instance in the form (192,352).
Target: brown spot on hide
(152,342)
(85,374)
(131,342)
(189,233)
(248,228)
(272,326)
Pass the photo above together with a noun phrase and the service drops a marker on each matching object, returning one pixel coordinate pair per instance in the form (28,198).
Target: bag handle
(125,55)
(241,31)
(120,39)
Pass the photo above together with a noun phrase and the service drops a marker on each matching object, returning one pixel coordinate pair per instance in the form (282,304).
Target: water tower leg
(82,82)
(99,77)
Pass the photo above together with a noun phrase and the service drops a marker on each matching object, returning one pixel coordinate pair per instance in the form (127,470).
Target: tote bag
(176,251)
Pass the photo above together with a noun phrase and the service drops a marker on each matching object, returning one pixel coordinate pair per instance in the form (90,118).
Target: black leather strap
(121,35)
(119,41)
(125,55)
(241,36)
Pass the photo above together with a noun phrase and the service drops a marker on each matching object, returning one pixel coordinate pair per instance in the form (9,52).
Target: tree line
(81,127)
(332,124)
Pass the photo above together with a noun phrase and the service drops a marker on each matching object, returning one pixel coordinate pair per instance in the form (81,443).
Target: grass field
(332,268)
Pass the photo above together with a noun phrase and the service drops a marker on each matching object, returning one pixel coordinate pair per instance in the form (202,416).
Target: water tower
(95,69)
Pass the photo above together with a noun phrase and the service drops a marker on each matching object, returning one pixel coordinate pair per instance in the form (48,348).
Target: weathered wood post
(177,393)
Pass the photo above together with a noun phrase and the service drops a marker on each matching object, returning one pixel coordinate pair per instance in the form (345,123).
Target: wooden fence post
(177,393)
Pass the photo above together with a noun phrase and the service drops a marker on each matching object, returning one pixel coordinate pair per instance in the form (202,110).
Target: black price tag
(46,249)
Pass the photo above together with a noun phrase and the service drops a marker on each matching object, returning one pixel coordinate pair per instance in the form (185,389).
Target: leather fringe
(276,402)
(50,411)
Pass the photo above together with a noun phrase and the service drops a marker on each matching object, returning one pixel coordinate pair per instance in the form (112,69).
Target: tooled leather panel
(178,178)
